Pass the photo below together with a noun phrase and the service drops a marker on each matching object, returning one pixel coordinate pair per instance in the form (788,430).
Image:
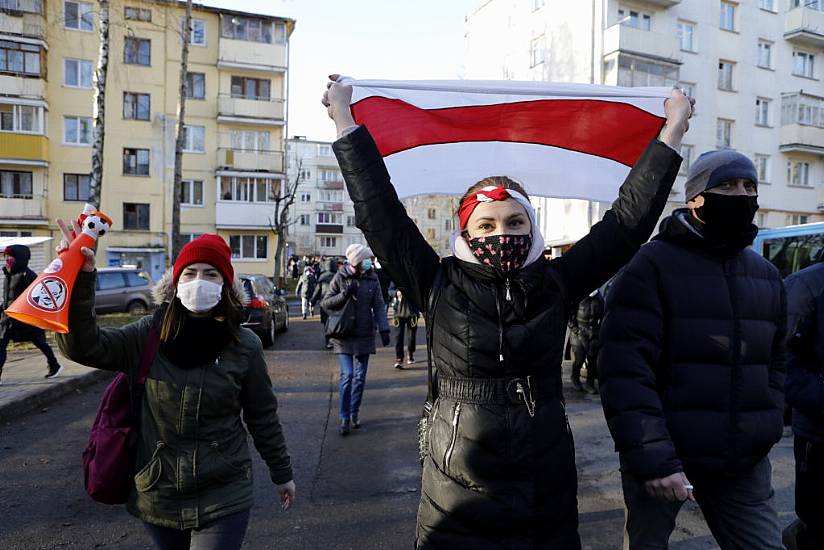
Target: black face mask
(728,218)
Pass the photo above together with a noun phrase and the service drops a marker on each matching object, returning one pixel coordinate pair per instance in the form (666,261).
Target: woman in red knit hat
(193,473)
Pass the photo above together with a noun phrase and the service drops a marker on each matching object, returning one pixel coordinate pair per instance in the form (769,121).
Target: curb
(36,400)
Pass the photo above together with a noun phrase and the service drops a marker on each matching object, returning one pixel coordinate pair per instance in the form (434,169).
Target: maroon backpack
(108,461)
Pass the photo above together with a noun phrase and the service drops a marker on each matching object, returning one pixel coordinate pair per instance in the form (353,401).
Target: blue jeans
(226,533)
(352,380)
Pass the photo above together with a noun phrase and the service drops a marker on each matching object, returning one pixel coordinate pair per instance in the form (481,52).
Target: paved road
(355,492)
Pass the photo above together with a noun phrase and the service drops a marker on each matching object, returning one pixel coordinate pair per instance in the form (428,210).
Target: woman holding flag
(500,471)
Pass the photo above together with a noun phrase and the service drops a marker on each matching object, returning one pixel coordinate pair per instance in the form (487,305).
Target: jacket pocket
(150,474)
(456,415)
(227,469)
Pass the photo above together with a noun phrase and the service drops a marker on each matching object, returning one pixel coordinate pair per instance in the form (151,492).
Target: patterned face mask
(506,252)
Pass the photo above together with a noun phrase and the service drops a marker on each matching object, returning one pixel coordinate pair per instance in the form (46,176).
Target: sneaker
(399,364)
(344,427)
(54,372)
(410,361)
(355,423)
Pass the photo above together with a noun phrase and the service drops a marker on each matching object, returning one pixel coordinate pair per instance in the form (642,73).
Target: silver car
(122,289)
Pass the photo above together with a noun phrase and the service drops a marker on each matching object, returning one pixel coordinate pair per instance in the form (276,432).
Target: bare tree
(280,221)
(101,73)
(181,131)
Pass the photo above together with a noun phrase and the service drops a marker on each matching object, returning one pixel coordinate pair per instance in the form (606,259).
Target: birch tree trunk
(181,132)
(99,134)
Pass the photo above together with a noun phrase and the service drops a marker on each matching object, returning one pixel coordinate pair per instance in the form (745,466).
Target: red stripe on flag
(608,129)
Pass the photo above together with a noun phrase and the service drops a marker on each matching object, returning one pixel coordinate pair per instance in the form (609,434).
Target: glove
(385,337)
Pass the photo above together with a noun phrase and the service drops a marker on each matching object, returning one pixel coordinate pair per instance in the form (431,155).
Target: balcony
(649,44)
(256,56)
(802,123)
(660,3)
(23,86)
(25,149)
(804,26)
(20,7)
(250,161)
(331,185)
(330,207)
(243,214)
(802,138)
(251,111)
(334,229)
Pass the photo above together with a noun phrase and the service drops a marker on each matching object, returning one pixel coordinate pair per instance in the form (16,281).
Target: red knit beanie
(210,249)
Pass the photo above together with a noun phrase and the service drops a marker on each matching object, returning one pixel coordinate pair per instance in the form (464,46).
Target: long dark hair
(229,309)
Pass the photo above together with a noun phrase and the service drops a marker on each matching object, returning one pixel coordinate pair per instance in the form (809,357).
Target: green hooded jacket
(193,464)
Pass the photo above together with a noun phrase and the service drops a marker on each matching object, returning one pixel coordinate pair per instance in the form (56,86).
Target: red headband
(472,201)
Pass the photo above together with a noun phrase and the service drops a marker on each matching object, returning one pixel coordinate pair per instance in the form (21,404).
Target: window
(195,85)
(768,5)
(686,156)
(430,234)
(727,16)
(633,71)
(193,139)
(803,64)
(251,88)
(329,195)
(798,173)
(325,150)
(136,106)
(330,217)
(136,279)
(198,36)
(304,219)
(189,237)
(635,19)
(76,187)
(250,140)
(725,75)
(723,133)
(15,234)
(537,48)
(191,192)
(797,219)
(798,108)
(245,189)
(77,130)
(350,221)
(762,111)
(328,242)
(305,174)
(19,58)
(250,29)
(305,197)
(329,175)
(686,34)
(431,213)
(765,54)
(78,16)
(447,224)
(137,51)
(110,281)
(21,119)
(77,73)
(762,167)
(248,247)
(137,14)
(135,216)
(136,162)
(688,87)
(15,185)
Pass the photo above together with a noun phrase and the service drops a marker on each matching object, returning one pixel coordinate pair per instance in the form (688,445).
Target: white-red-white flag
(559,140)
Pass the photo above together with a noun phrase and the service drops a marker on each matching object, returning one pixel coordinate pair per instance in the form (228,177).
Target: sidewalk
(24,389)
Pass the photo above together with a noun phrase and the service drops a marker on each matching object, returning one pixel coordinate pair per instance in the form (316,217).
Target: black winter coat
(497,477)
(16,283)
(585,323)
(370,310)
(692,357)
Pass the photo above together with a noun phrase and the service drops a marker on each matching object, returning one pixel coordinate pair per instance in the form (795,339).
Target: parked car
(266,313)
(122,289)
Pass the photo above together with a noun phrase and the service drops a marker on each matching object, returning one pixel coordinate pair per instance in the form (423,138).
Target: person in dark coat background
(18,278)
(406,319)
(356,281)
(500,470)
(584,326)
(305,289)
(321,288)
(691,366)
(805,393)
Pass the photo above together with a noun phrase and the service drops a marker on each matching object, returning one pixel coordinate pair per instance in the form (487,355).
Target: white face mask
(199,296)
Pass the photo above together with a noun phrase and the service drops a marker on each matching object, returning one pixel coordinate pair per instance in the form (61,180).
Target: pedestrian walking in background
(500,468)
(306,289)
(321,289)
(692,366)
(357,282)
(406,319)
(386,283)
(193,471)
(805,393)
(585,325)
(18,278)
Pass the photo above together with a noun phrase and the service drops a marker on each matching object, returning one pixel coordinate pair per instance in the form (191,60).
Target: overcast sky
(392,39)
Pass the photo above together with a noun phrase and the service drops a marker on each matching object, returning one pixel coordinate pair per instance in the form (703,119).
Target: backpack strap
(432,303)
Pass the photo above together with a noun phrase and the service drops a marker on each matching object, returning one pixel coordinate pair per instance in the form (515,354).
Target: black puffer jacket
(497,477)
(17,281)
(692,358)
(370,310)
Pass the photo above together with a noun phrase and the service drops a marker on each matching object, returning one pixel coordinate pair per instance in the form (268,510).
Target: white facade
(754,67)
(323,213)
(435,217)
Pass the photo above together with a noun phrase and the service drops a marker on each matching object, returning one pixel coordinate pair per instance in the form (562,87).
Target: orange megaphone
(44,303)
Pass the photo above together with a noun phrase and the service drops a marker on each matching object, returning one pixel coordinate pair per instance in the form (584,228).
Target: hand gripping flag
(559,140)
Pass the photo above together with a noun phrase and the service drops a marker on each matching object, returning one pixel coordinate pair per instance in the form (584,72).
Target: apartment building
(435,217)
(323,216)
(233,164)
(754,67)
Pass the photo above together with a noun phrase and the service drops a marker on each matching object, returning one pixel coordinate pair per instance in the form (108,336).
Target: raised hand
(336,99)
(88,253)
(679,109)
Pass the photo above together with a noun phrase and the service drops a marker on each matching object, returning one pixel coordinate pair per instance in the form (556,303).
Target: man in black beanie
(692,366)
